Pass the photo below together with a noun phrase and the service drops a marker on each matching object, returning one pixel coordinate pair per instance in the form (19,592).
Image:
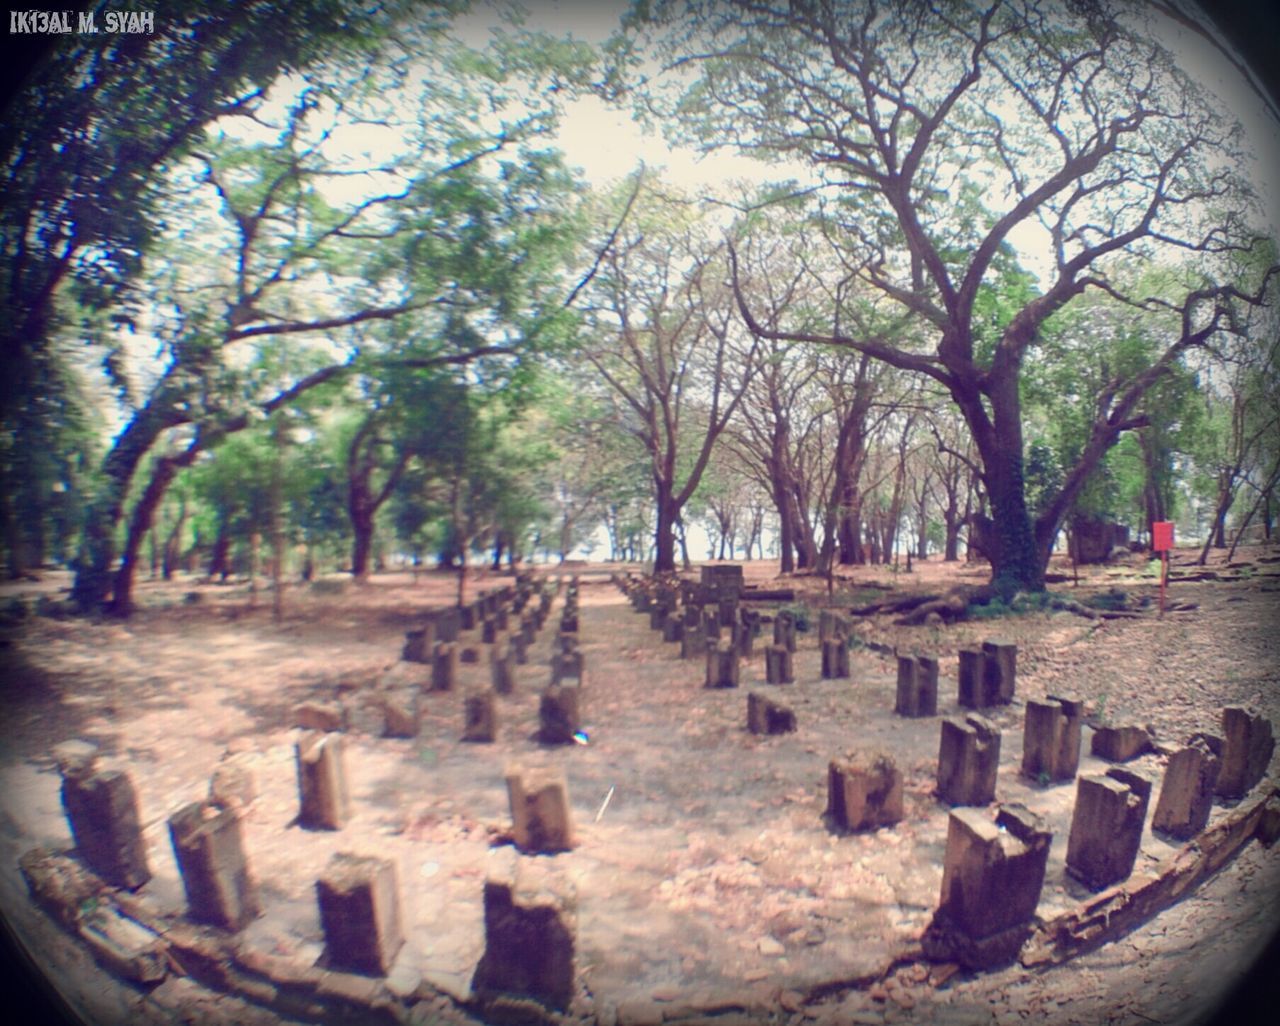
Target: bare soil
(709,882)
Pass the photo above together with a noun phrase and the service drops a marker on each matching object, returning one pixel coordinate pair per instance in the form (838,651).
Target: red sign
(1162,536)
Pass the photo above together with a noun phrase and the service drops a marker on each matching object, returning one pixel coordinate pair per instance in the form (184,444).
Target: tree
(1072,123)
(83,147)
(461,244)
(671,348)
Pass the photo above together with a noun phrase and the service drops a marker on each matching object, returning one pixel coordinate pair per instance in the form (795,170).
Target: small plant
(800,614)
(987,611)
(1042,778)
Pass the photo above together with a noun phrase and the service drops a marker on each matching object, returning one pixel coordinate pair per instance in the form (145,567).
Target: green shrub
(801,614)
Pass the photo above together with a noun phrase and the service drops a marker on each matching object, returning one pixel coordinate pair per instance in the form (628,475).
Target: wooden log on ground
(768,595)
(1118,910)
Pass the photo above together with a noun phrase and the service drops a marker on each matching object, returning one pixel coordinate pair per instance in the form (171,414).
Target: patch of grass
(990,610)
(1112,599)
(801,614)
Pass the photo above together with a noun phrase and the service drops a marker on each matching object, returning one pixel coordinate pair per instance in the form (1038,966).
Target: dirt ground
(709,881)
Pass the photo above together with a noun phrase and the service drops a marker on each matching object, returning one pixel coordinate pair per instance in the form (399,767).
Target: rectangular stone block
(102,809)
(917,693)
(480,717)
(541,819)
(520,649)
(208,845)
(502,668)
(1051,739)
(968,759)
(1106,827)
(1119,744)
(992,877)
(467,617)
(777,665)
(324,802)
(559,714)
(568,666)
(972,681)
(400,715)
(722,666)
(359,901)
(326,716)
(530,929)
(765,716)
(444,666)
(999,671)
(418,644)
(835,659)
(743,638)
(693,643)
(1186,792)
(711,625)
(488,630)
(672,626)
(864,791)
(784,630)
(1246,752)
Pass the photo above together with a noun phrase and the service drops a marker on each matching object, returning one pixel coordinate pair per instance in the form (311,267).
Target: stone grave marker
(541,818)
(359,903)
(324,801)
(864,791)
(1106,827)
(835,659)
(765,716)
(992,877)
(777,665)
(1119,744)
(1051,738)
(1000,671)
(968,759)
(917,693)
(444,666)
(102,810)
(559,714)
(1246,752)
(530,930)
(208,845)
(1186,792)
(722,666)
(480,717)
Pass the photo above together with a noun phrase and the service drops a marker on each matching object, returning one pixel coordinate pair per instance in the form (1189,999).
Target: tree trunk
(664,539)
(98,545)
(361,544)
(220,560)
(786,529)
(173,544)
(1016,561)
(140,524)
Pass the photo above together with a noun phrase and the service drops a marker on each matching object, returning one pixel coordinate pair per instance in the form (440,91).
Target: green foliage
(1112,599)
(801,614)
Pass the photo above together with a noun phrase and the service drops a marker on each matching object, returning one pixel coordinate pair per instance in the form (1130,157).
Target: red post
(1162,542)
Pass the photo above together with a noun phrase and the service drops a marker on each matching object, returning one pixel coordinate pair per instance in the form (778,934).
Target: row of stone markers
(529,924)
